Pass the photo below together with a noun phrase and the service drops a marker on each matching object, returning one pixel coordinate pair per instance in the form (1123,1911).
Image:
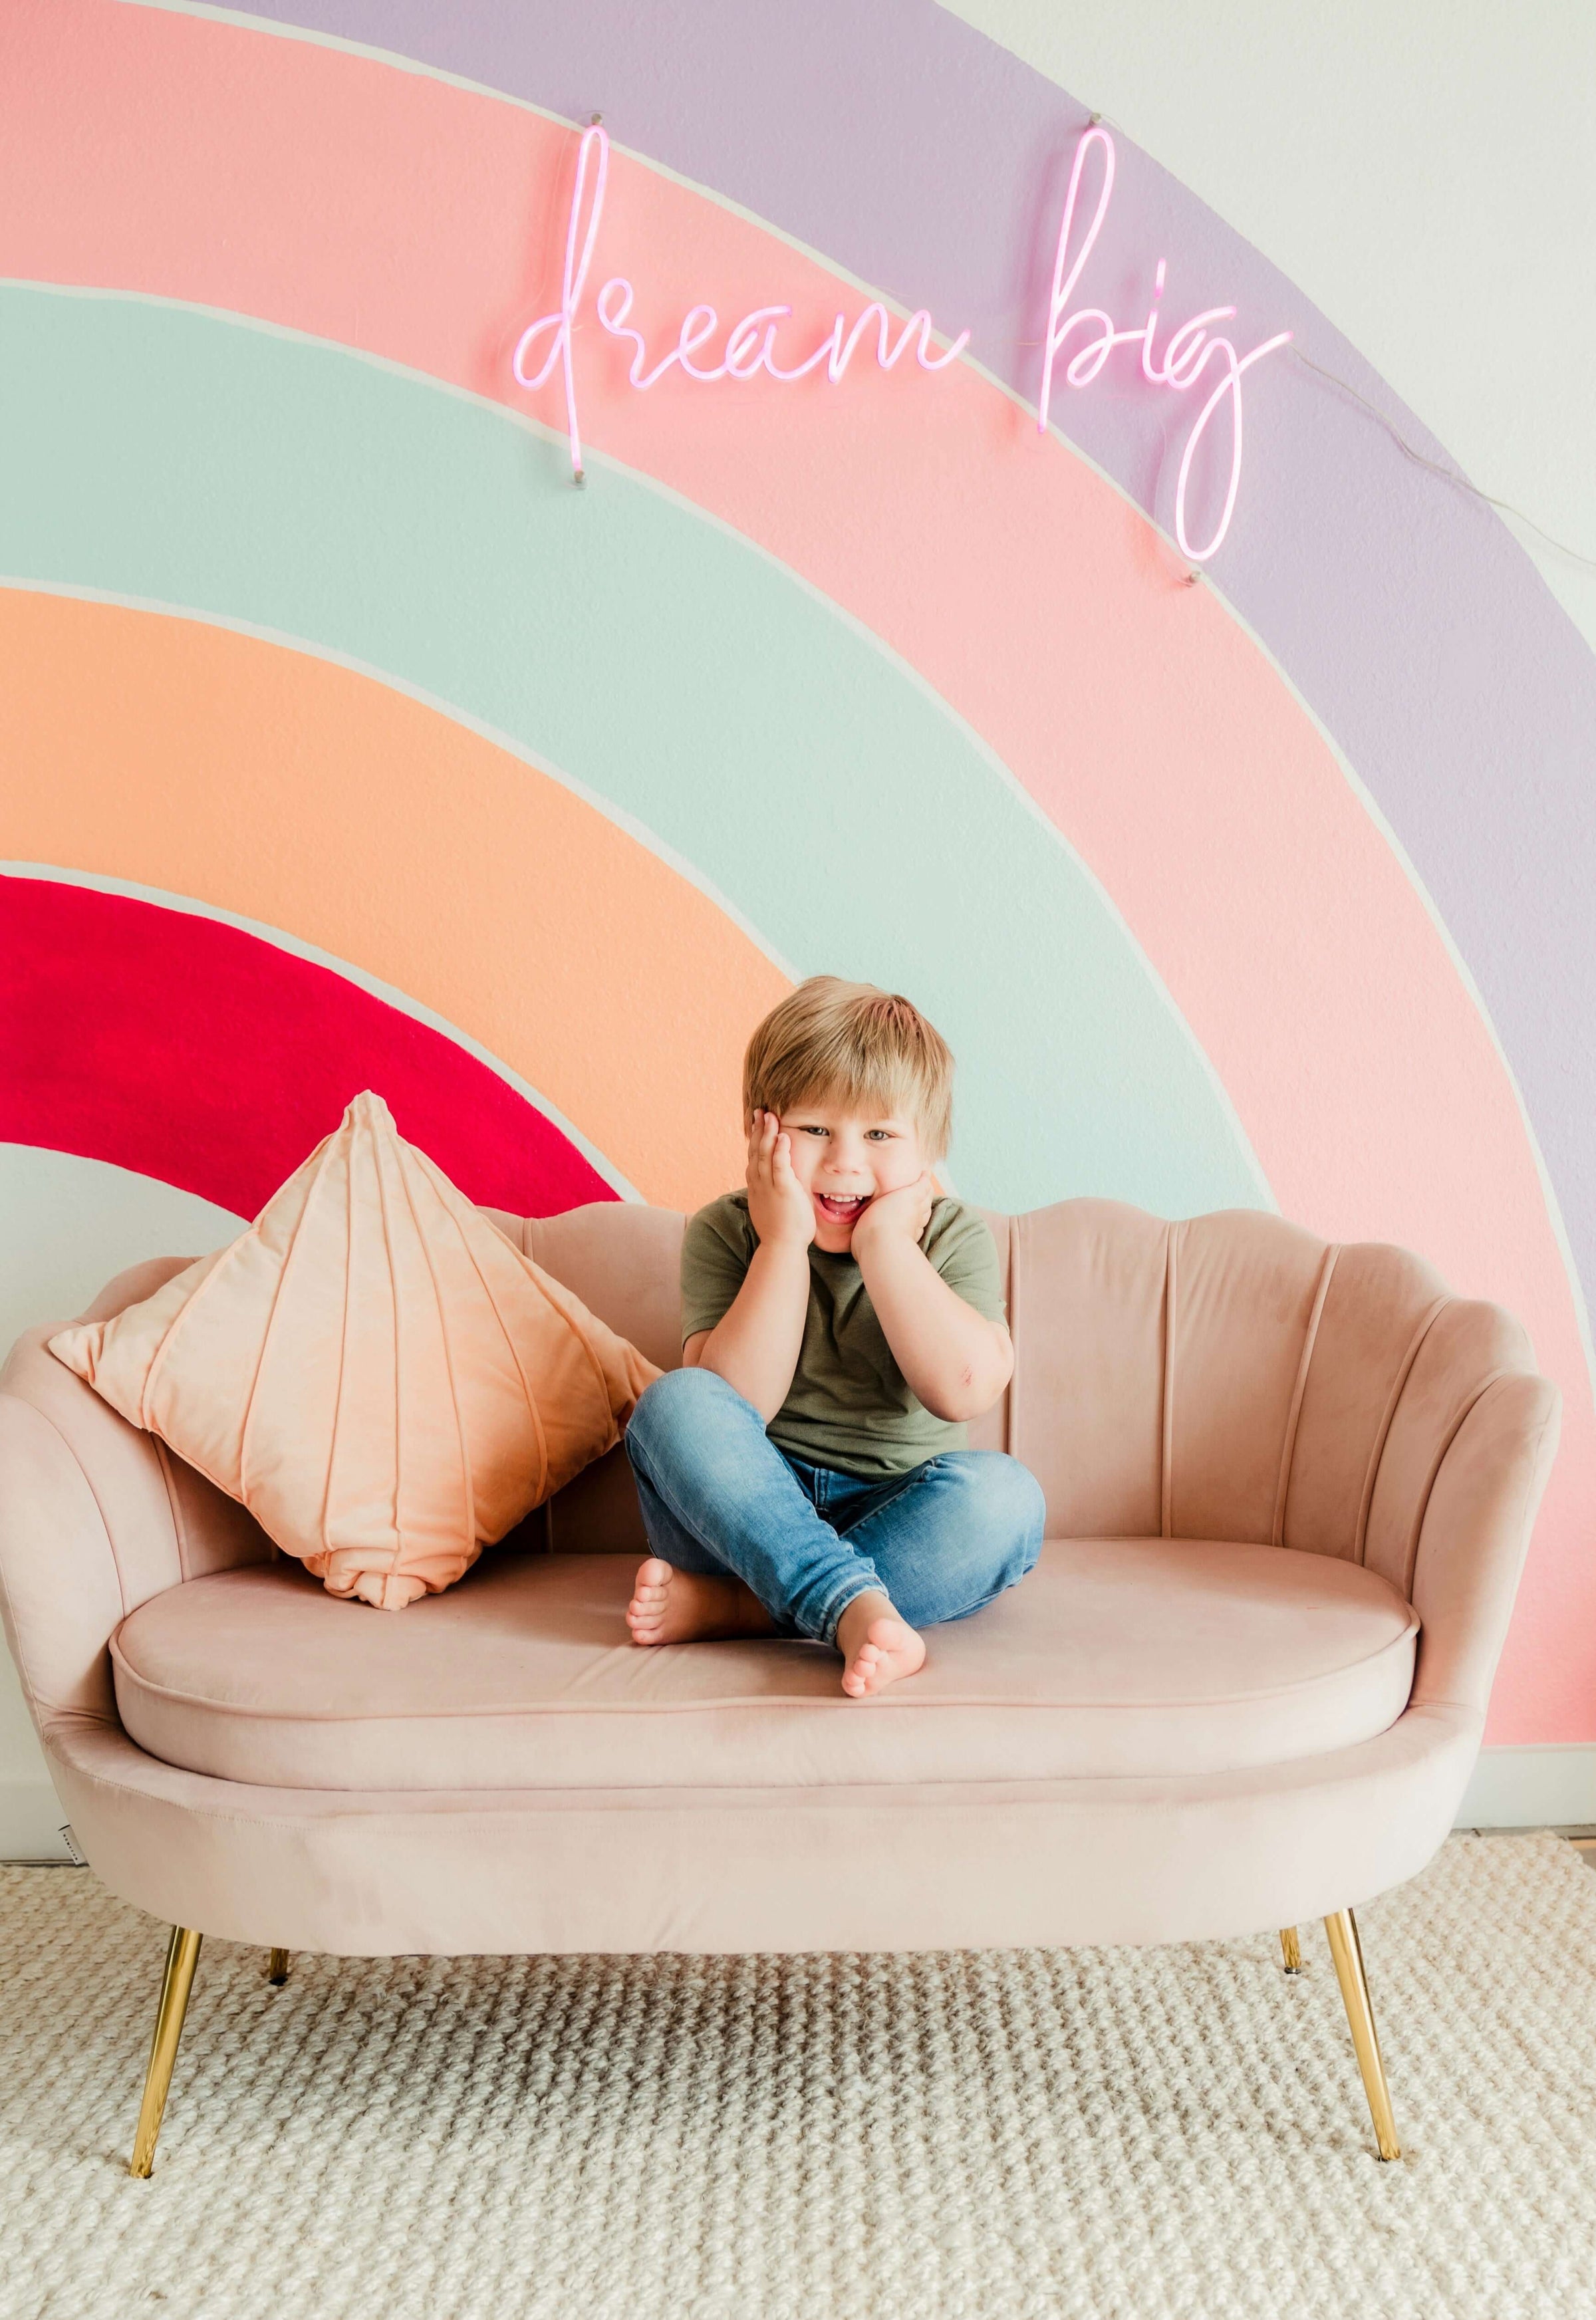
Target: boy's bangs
(876,1089)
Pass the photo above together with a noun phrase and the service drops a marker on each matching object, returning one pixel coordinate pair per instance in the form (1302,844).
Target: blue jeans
(717,1497)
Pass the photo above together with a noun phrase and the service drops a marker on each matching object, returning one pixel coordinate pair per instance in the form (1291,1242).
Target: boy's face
(843,1158)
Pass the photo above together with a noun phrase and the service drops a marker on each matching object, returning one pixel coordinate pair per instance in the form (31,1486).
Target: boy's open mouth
(842,1208)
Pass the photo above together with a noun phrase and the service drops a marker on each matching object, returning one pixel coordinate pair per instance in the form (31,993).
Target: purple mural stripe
(909,148)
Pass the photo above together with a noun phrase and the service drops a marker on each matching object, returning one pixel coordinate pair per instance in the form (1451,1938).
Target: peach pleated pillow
(382,1378)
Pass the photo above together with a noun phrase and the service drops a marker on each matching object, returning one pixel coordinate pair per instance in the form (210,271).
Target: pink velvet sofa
(1290,1488)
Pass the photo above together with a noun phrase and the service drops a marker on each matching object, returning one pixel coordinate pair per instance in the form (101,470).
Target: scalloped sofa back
(1228,1377)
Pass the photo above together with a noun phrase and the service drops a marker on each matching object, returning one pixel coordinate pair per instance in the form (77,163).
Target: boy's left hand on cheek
(902,1215)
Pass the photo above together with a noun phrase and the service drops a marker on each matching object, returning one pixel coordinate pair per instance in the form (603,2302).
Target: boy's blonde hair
(832,1041)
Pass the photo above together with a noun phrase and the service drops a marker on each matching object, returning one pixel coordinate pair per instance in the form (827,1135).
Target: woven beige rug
(1034,2133)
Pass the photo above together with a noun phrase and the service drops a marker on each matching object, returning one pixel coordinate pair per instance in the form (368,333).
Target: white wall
(1424,170)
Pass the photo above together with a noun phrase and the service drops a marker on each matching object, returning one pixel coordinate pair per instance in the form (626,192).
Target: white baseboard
(1532,1788)
(31,1820)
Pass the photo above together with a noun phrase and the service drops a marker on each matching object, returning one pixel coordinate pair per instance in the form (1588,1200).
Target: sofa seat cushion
(1114,1657)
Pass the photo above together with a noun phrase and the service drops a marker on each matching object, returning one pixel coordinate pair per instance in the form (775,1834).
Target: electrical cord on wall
(1447,475)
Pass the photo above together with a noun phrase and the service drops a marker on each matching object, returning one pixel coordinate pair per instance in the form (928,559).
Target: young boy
(804,1473)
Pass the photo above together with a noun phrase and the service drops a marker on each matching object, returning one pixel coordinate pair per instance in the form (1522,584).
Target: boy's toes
(645,1614)
(858,1676)
(891,1650)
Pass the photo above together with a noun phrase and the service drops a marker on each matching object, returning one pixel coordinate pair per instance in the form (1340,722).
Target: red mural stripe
(206,1056)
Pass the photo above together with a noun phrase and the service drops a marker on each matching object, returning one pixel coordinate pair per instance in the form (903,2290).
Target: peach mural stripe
(284,789)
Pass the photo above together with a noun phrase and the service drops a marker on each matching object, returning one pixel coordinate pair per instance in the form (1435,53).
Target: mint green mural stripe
(173,456)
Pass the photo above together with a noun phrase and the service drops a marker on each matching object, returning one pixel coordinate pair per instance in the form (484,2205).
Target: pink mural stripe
(193,1052)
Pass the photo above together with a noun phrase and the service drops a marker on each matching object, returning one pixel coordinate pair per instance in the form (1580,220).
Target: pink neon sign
(749,344)
(1185,358)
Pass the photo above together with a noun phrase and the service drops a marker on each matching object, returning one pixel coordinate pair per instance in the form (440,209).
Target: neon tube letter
(1231,384)
(1064,284)
(575,274)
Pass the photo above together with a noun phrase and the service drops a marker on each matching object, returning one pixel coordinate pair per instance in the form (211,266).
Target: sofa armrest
(61,1592)
(1474,1535)
(96,1516)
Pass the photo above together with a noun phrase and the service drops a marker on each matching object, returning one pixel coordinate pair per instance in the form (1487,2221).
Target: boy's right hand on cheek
(779,1209)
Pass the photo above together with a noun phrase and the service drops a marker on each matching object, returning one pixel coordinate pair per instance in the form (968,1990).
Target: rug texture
(1010,2137)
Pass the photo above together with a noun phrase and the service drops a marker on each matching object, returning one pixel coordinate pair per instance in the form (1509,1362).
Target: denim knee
(678,1403)
(1007,1512)
(1023,1505)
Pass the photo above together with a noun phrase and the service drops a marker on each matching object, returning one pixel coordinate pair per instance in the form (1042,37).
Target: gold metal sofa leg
(1347,1951)
(182,1957)
(1290,1949)
(277,1972)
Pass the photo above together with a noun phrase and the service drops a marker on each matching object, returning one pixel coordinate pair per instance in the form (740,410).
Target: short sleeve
(961,1247)
(717,1249)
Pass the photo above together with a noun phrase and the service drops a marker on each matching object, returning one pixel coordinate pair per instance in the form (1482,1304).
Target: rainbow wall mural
(345,744)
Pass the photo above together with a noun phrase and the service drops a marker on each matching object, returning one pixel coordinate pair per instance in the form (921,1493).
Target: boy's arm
(953,1359)
(755,1344)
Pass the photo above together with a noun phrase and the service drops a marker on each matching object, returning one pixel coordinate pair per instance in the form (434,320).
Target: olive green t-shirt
(850,1406)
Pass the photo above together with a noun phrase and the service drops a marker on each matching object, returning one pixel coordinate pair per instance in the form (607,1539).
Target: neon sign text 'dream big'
(749,344)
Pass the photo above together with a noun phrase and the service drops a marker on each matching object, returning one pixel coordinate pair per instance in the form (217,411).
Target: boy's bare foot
(684,1606)
(880,1648)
